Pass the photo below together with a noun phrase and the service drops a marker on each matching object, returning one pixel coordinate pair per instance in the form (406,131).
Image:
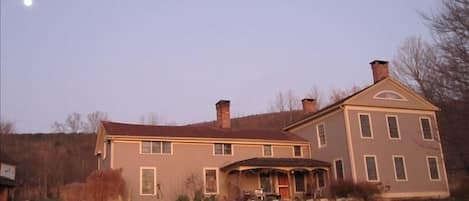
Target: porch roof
(281,163)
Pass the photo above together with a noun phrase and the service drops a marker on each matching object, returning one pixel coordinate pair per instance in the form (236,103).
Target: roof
(7,182)
(114,128)
(278,162)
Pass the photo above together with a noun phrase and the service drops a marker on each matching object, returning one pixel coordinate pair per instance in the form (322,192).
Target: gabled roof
(347,99)
(123,129)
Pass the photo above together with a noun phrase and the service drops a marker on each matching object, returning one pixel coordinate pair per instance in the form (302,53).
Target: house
(163,162)
(7,177)
(385,133)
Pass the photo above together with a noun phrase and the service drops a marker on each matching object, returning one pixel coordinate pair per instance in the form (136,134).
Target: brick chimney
(380,70)
(223,114)
(309,105)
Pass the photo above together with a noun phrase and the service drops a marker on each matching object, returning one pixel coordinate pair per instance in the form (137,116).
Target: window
(399,168)
(393,127)
(320,179)
(297,151)
(371,168)
(156,147)
(211,180)
(426,128)
(433,170)
(267,150)
(365,126)
(389,95)
(299,182)
(339,170)
(266,182)
(321,135)
(222,149)
(147,181)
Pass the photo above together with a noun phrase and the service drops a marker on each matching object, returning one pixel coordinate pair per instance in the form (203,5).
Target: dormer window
(389,95)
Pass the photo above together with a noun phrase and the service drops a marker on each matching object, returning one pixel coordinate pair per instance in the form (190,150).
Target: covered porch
(278,178)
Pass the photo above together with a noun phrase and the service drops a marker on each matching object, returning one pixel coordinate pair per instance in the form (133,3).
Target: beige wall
(411,146)
(187,159)
(336,140)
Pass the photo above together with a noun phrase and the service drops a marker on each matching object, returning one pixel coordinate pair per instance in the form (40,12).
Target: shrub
(342,189)
(364,190)
(211,198)
(198,195)
(461,192)
(183,198)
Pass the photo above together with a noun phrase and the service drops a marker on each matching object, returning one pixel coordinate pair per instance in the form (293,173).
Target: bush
(198,196)
(211,198)
(461,192)
(363,190)
(183,198)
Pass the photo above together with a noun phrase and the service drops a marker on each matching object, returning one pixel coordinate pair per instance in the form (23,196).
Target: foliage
(461,192)
(198,196)
(211,198)
(105,185)
(183,198)
(74,123)
(7,127)
(342,189)
(364,190)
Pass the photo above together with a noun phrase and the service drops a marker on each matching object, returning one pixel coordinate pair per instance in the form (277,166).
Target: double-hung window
(297,151)
(147,181)
(393,127)
(222,149)
(321,130)
(426,128)
(371,168)
(299,182)
(156,147)
(211,180)
(399,168)
(365,126)
(267,150)
(433,170)
(339,170)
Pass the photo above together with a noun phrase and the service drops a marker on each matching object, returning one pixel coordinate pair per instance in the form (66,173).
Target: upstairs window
(393,127)
(267,150)
(222,149)
(433,169)
(156,147)
(389,95)
(365,126)
(426,128)
(297,151)
(321,135)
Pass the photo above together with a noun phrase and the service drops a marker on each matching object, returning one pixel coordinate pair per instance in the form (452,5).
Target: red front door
(283,185)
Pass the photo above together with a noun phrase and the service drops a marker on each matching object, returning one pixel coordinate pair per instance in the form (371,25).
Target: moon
(28,3)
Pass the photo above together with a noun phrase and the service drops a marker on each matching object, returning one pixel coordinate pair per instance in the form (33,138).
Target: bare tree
(339,94)
(72,124)
(94,120)
(285,101)
(7,127)
(316,94)
(150,119)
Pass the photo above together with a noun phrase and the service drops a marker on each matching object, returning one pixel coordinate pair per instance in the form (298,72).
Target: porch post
(239,184)
(290,184)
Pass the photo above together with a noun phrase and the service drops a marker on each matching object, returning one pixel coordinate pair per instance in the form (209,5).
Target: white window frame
(263,150)
(154,180)
(318,135)
(395,169)
(335,168)
(421,128)
(301,151)
(217,180)
(360,124)
(403,98)
(304,183)
(151,147)
(223,149)
(397,125)
(437,168)
(376,166)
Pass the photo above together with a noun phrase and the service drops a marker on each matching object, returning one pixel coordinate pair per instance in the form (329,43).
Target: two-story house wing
(385,133)
(162,162)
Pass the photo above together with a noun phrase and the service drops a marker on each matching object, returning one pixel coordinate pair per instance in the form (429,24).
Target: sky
(177,58)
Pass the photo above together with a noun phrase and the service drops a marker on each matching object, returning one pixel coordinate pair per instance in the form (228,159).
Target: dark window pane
(365,125)
(156,147)
(167,147)
(392,124)
(339,169)
(210,181)
(427,132)
(297,150)
(371,168)
(267,150)
(299,182)
(146,147)
(227,149)
(320,178)
(218,149)
(266,182)
(433,165)
(400,171)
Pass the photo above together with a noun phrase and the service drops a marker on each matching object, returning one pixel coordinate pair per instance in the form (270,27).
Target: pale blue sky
(177,58)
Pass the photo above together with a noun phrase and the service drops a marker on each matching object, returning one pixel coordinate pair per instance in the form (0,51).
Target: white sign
(7,171)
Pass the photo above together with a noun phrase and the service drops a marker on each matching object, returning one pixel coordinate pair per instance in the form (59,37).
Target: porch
(278,178)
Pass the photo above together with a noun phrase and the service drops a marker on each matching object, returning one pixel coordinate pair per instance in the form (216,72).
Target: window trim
(403,98)
(154,180)
(272,188)
(304,183)
(360,124)
(376,166)
(263,150)
(318,136)
(324,176)
(217,180)
(437,168)
(301,151)
(223,149)
(395,169)
(335,169)
(421,128)
(397,125)
(151,147)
